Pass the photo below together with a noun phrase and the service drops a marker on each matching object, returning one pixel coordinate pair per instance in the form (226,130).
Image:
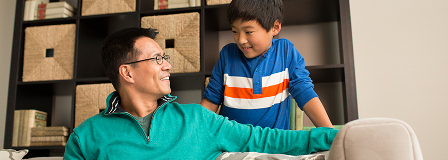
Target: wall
(400,50)
(7,12)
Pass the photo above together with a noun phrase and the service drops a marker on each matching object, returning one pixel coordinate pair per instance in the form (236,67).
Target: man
(142,122)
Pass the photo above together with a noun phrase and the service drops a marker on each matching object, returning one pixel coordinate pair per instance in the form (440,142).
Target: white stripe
(275,79)
(244,82)
(240,82)
(114,105)
(255,103)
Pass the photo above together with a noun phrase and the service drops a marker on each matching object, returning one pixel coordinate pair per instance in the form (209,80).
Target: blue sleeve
(301,87)
(215,88)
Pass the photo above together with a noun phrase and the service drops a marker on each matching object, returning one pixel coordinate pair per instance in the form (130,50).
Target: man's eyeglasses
(158,58)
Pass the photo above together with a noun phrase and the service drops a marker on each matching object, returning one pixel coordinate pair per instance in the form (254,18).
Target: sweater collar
(113,102)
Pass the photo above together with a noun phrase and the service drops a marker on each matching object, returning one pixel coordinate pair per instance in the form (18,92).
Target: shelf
(39,147)
(44,82)
(335,81)
(326,73)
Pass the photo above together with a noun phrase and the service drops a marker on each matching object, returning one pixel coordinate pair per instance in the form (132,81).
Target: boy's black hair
(265,12)
(119,49)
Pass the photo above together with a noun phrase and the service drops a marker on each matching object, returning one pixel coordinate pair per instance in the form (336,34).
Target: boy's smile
(252,39)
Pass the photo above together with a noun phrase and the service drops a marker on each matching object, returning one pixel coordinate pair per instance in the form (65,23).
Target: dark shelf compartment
(42,151)
(92,32)
(53,21)
(326,73)
(310,11)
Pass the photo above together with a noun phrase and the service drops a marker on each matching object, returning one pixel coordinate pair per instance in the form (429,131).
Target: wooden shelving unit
(57,98)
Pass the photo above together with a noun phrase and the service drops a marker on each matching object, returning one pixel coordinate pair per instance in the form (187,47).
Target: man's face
(252,39)
(150,77)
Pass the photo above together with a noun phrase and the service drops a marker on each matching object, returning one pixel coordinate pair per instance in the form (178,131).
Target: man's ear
(126,73)
(277,27)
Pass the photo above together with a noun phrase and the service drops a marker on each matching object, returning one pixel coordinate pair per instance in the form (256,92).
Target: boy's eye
(249,32)
(234,31)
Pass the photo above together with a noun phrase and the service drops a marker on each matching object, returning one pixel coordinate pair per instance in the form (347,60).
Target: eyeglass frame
(166,57)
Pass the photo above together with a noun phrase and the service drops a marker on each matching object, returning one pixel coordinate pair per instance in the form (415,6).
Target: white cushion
(10,154)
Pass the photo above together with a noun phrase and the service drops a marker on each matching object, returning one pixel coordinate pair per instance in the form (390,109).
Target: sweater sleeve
(232,136)
(73,149)
(300,84)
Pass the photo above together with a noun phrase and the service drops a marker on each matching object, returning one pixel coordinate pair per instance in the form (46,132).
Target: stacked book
(31,8)
(169,4)
(298,118)
(54,10)
(24,120)
(49,136)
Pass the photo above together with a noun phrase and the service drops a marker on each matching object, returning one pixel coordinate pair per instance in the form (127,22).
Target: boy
(255,75)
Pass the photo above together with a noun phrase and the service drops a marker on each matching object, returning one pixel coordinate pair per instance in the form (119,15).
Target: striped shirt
(257,90)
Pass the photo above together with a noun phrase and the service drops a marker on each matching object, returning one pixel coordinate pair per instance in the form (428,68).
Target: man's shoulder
(188,109)
(90,123)
(192,106)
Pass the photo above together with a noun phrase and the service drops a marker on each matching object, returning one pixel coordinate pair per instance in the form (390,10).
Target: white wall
(7,11)
(401,53)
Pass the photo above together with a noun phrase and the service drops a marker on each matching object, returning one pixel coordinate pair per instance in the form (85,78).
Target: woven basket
(95,7)
(184,30)
(90,99)
(215,2)
(36,65)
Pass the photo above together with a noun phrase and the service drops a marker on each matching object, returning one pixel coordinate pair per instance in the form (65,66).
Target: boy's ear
(277,27)
(126,73)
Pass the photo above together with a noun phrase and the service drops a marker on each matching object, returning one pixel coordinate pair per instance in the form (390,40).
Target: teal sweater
(187,131)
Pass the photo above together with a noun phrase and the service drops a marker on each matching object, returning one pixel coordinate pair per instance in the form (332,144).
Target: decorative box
(90,99)
(179,38)
(49,52)
(95,7)
(215,2)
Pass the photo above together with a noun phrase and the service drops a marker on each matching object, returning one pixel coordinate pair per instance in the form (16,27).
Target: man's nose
(166,66)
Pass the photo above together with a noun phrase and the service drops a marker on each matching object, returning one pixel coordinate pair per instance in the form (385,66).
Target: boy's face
(252,39)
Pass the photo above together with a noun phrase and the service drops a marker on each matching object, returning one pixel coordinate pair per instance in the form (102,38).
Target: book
(24,122)
(28,119)
(61,4)
(49,131)
(59,10)
(15,130)
(178,1)
(178,5)
(49,138)
(193,3)
(198,2)
(48,143)
(40,11)
(292,120)
(39,8)
(60,15)
(162,4)
(26,11)
(156,4)
(299,118)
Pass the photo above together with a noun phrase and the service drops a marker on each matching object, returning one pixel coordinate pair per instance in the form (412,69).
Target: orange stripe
(247,93)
